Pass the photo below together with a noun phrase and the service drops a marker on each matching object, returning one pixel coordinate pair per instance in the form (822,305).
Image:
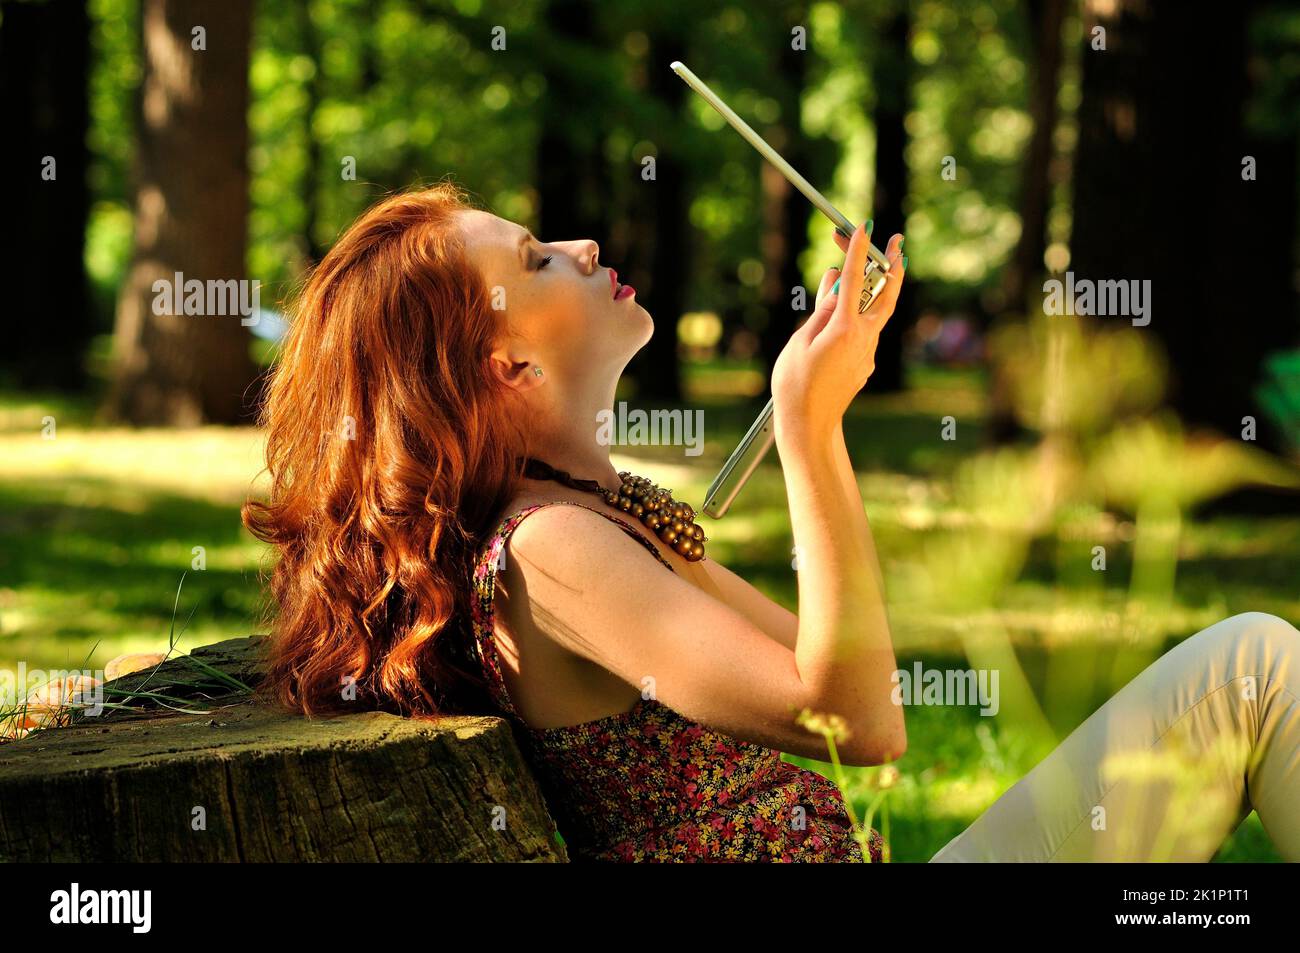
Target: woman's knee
(1269,628)
(1253,642)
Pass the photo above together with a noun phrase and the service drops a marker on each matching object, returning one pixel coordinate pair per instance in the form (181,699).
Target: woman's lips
(620,291)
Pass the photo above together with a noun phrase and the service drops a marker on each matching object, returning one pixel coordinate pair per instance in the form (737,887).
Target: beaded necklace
(672,521)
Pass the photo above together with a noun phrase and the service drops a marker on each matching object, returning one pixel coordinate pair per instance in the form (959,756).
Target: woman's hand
(832,354)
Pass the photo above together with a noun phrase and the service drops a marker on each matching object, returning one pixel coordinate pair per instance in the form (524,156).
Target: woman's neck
(573,446)
(581,463)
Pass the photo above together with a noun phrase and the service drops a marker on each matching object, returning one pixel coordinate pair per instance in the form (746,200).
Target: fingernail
(901,239)
(835,287)
(867,228)
(905,263)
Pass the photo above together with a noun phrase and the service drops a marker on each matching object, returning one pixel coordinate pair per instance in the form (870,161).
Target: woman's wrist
(799,432)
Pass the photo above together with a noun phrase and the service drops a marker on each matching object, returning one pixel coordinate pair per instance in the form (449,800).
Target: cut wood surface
(243,782)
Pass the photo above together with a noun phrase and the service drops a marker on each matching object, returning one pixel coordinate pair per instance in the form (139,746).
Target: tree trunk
(785,210)
(315,92)
(246,783)
(893,81)
(1045,18)
(570,165)
(661,260)
(191,218)
(1160,196)
(1020,275)
(44,52)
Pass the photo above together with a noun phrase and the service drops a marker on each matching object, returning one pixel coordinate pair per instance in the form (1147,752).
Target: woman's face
(559,302)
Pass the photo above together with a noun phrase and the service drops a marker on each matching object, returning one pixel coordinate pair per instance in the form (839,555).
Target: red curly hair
(389,447)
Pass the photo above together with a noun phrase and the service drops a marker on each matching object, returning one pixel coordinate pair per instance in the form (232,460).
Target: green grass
(98,525)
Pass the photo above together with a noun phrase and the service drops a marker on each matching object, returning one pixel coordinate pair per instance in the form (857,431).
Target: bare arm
(778,622)
(845,651)
(773,618)
(593,591)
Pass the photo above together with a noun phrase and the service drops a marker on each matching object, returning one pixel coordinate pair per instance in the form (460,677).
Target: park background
(1058,498)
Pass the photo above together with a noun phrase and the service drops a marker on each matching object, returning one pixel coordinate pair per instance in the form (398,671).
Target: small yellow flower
(887,776)
(830,725)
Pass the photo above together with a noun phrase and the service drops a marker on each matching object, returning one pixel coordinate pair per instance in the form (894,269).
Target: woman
(452,534)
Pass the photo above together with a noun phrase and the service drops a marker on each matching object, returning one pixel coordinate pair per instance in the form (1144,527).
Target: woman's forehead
(486,228)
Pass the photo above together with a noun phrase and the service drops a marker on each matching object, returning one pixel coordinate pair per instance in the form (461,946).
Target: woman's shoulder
(514,509)
(551,518)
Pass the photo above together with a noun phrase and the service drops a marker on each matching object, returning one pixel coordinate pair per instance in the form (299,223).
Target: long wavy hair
(389,445)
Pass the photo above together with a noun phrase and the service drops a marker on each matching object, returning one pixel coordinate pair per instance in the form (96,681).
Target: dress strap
(484,584)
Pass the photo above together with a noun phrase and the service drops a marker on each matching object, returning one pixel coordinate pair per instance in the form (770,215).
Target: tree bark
(261,786)
(191,218)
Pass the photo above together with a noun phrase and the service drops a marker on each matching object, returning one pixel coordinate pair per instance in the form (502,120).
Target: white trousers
(1168,768)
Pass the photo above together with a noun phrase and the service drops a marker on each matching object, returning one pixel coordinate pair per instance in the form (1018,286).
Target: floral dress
(651,785)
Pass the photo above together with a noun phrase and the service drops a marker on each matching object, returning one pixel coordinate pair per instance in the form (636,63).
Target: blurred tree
(572,176)
(311,185)
(1046,18)
(191,218)
(785,210)
(892,76)
(661,261)
(44,54)
(1162,193)
(1026,265)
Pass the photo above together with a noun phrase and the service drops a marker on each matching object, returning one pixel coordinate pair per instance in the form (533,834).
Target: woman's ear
(519,374)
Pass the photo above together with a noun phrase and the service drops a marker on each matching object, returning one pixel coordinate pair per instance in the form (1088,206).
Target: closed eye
(544,262)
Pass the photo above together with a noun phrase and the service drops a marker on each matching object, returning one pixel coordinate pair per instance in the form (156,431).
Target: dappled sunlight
(208,463)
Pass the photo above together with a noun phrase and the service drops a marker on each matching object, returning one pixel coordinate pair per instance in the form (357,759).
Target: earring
(537,371)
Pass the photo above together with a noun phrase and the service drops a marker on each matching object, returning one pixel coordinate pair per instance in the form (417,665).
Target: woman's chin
(646,320)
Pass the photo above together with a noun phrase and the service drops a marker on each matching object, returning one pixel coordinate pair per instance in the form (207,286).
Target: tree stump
(243,782)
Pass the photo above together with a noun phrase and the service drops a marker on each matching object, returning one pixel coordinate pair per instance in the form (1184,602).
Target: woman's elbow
(884,744)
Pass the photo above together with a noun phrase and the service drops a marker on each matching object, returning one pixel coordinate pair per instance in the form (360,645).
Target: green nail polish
(835,287)
(900,242)
(867,228)
(905,263)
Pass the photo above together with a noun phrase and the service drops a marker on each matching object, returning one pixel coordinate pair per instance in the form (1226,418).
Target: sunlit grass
(97,526)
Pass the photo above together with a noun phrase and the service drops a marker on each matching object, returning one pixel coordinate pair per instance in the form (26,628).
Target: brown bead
(671,520)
